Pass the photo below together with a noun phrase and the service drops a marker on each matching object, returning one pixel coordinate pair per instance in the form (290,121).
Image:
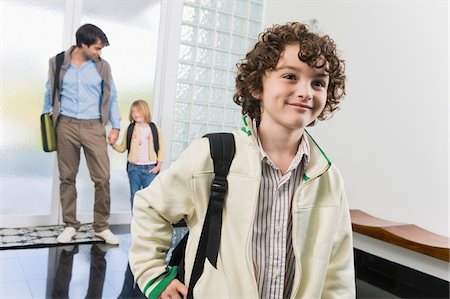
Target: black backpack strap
(222,148)
(59,62)
(129,134)
(222,152)
(155,137)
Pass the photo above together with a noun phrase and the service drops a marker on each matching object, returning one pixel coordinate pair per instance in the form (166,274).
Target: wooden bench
(404,235)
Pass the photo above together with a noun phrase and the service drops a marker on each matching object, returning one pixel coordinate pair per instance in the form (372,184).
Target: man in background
(84,103)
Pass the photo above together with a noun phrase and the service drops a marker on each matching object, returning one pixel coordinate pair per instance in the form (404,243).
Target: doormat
(43,236)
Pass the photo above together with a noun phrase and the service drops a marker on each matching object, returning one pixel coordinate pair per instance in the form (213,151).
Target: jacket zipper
(249,238)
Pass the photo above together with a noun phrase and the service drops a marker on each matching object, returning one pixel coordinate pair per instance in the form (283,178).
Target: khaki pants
(71,135)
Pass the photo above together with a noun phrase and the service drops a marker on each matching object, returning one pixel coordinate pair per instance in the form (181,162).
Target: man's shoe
(67,235)
(108,236)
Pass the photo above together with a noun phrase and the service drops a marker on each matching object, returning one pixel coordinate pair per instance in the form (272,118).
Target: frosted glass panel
(132,30)
(238,43)
(190,14)
(204,55)
(199,113)
(202,74)
(223,20)
(240,25)
(185,71)
(180,130)
(256,10)
(241,7)
(182,111)
(200,94)
(221,59)
(223,40)
(186,52)
(220,33)
(226,5)
(26,178)
(206,37)
(184,91)
(188,33)
(207,17)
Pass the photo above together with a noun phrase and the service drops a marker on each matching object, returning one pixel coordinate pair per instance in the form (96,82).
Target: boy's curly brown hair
(315,50)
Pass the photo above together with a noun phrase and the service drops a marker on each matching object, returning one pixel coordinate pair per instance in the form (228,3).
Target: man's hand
(175,290)
(113,136)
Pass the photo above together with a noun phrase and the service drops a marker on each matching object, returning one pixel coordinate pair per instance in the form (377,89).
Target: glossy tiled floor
(72,271)
(87,271)
(81,271)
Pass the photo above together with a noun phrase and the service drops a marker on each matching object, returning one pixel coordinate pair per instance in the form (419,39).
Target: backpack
(222,149)
(130,130)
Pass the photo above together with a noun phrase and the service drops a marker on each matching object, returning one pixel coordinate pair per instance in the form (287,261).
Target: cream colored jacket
(321,232)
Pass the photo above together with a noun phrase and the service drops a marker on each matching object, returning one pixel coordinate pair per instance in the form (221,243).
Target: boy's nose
(304,91)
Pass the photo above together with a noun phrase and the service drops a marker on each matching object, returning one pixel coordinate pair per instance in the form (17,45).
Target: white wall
(390,139)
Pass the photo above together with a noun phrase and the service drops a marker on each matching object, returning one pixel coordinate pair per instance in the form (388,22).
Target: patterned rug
(42,236)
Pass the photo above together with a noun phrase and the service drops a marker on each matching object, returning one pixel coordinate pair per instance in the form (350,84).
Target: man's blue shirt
(81,93)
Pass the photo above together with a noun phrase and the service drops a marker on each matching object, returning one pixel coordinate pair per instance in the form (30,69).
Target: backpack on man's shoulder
(222,149)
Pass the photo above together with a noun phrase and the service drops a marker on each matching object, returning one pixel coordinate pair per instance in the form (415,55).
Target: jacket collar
(318,163)
(66,61)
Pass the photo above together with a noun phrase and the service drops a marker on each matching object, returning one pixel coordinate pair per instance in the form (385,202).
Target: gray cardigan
(103,69)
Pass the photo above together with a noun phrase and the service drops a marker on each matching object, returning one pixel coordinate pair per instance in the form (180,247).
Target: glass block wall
(215,35)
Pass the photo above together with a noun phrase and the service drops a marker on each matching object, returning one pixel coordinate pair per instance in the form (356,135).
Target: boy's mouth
(300,106)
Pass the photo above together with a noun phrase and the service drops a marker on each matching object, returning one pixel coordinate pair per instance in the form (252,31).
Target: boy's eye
(289,77)
(319,83)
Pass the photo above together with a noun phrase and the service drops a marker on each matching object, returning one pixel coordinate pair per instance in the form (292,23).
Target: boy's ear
(256,94)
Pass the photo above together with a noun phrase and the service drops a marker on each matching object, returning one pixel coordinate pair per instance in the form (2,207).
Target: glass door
(32,32)
(132,30)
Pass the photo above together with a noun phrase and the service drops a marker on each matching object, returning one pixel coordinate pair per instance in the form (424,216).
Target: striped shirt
(273,256)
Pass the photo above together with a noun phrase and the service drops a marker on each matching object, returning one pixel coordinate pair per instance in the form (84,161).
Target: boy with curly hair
(286,229)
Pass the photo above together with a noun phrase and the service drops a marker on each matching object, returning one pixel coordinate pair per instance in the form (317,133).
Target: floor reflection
(75,271)
(129,288)
(63,275)
(93,270)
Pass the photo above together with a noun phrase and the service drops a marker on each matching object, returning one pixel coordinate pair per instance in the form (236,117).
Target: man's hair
(142,107)
(88,35)
(315,50)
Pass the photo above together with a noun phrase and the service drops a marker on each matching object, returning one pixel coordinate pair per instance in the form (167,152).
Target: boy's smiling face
(294,94)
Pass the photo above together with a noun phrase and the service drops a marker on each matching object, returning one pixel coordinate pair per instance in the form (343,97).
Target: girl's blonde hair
(141,106)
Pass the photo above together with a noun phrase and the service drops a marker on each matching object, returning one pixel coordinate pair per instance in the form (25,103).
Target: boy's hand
(175,290)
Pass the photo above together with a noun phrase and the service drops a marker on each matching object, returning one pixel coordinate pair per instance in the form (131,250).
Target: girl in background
(144,143)
(144,158)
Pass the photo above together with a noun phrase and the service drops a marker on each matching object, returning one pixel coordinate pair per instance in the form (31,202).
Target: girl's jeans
(140,177)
